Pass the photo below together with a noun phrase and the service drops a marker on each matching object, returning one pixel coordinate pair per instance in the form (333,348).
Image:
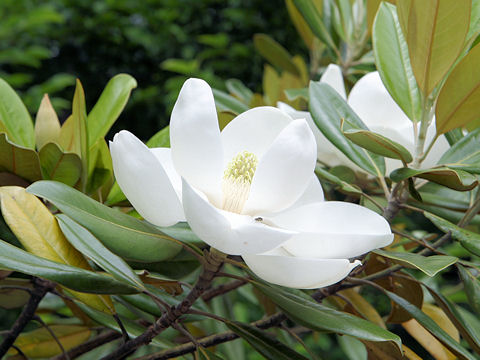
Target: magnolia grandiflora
(379,112)
(249,190)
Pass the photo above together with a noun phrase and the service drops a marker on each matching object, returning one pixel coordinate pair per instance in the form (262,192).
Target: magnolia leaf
(468,239)
(171,287)
(430,265)
(91,247)
(363,307)
(406,287)
(19,160)
(204,354)
(302,27)
(265,344)
(472,288)
(376,143)
(459,98)
(160,139)
(109,106)
(125,235)
(393,62)
(47,125)
(294,94)
(38,231)
(11,297)
(238,89)
(58,165)
(464,154)
(15,120)
(382,351)
(225,102)
(40,343)
(275,53)
(454,179)
(344,186)
(435,32)
(80,135)
(328,108)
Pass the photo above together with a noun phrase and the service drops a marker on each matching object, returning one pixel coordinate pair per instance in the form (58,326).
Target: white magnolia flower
(373,104)
(249,190)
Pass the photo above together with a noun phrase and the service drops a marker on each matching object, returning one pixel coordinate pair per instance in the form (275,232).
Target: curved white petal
(333,229)
(253,131)
(284,171)
(228,232)
(195,138)
(373,104)
(298,272)
(144,181)
(441,145)
(333,77)
(313,193)
(164,156)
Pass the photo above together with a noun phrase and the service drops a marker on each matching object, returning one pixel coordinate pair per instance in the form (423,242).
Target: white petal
(144,181)
(313,193)
(253,131)
(333,229)
(284,171)
(297,272)
(333,77)
(228,232)
(195,138)
(441,145)
(373,104)
(164,156)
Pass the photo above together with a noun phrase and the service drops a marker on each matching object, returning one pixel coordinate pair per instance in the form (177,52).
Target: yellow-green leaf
(39,343)
(47,126)
(275,53)
(19,160)
(79,116)
(38,231)
(58,165)
(435,31)
(302,27)
(459,99)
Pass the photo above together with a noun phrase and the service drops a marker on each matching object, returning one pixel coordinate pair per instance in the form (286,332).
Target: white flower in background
(249,190)
(373,104)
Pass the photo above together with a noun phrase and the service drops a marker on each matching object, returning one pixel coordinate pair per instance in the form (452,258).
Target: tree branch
(89,345)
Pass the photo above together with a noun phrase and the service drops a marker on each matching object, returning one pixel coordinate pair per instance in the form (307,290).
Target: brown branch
(40,288)
(212,340)
(89,345)
(213,263)
(222,289)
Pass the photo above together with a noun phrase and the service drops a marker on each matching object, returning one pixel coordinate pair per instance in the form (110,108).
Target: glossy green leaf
(238,88)
(109,106)
(125,235)
(354,349)
(318,317)
(345,186)
(464,154)
(14,118)
(430,265)
(302,27)
(435,31)
(71,277)
(266,345)
(313,18)
(459,99)
(90,246)
(47,125)
(472,288)
(80,136)
(115,195)
(181,231)
(294,94)
(328,108)
(393,61)
(19,160)
(468,239)
(454,179)
(58,165)
(431,326)
(160,139)
(453,136)
(225,102)
(275,53)
(376,143)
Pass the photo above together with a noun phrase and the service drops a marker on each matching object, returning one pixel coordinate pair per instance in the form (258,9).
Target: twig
(212,264)
(299,340)
(40,288)
(122,328)
(89,345)
(222,289)
(20,352)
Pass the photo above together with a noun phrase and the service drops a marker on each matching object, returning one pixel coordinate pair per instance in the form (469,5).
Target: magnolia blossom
(249,190)
(373,104)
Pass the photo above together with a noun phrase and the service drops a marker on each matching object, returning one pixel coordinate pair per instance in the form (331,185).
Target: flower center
(237,180)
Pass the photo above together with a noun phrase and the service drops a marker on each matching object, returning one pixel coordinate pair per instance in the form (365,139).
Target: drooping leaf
(91,247)
(47,125)
(454,179)
(58,165)
(19,160)
(435,32)
(39,343)
(266,345)
(376,143)
(328,108)
(225,102)
(125,235)
(38,231)
(345,186)
(464,154)
(15,120)
(393,61)
(275,53)
(430,265)
(109,106)
(472,288)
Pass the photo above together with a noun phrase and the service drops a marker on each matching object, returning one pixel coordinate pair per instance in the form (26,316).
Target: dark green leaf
(472,288)
(464,154)
(348,188)
(454,179)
